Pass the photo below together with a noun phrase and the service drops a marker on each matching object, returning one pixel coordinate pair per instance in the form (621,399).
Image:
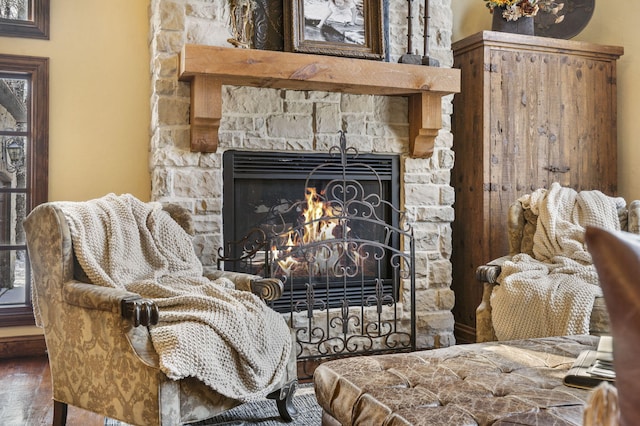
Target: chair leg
(59,413)
(284,400)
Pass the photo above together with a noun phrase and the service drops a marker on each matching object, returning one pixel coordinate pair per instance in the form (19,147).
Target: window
(24,18)
(24,124)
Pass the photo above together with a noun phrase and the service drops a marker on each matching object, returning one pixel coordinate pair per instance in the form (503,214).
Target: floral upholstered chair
(98,338)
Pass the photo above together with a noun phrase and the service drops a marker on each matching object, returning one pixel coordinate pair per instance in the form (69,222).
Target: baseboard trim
(22,346)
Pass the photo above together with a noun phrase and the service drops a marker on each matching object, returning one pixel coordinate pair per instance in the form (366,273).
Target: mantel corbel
(208,68)
(206,113)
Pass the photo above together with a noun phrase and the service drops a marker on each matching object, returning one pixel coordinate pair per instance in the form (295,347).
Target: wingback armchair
(521,225)
(99,347)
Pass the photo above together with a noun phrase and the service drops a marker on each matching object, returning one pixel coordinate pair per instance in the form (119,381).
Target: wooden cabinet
(531,111)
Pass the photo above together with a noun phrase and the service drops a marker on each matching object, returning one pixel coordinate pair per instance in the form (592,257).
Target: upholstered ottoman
(497,383)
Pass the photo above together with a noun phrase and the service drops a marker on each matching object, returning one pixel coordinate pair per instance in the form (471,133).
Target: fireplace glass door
(266,194)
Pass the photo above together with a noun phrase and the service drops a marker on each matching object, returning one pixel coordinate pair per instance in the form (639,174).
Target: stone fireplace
(292,121)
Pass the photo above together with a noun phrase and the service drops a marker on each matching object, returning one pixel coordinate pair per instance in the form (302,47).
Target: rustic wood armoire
(531,111)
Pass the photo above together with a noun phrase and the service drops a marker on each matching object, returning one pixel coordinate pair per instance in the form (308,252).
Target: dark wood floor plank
(42,400)
(18,385)
(26,395)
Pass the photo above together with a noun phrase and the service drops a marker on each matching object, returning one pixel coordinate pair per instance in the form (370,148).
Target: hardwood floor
(26,398)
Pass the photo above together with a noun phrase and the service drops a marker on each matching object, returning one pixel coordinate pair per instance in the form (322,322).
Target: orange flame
(317,228)
(320,224)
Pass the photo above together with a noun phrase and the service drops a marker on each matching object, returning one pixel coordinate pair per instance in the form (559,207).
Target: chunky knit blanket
(552,293)
(229,339)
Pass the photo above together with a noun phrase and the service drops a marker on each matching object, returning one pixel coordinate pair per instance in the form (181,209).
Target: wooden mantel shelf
(210,67)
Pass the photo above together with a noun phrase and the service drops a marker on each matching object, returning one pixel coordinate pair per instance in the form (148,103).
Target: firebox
(265,198)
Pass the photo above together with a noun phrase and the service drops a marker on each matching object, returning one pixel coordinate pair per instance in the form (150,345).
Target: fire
(318,219)
(320,224)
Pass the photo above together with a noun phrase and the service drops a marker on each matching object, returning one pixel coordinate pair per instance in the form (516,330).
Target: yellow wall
(615,25)
(99,100)
(99,97)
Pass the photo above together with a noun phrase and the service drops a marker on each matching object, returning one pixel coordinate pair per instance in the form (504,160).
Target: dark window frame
(37,161)
(36,27)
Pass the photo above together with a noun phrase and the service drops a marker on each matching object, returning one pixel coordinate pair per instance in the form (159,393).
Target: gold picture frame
(350,28)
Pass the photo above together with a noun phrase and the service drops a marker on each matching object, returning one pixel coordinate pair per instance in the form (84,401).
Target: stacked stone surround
(285,120)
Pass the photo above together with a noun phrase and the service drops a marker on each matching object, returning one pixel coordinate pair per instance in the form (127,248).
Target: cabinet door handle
(557,169)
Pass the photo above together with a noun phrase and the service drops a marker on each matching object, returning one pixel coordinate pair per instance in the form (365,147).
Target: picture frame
(268,25)
(34,25)
(334,27)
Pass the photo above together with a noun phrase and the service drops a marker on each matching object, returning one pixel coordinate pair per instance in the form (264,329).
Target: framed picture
(24,18)
(351,28)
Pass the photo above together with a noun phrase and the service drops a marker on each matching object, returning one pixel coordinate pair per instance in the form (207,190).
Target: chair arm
(489,273)
(130,305)
(265,288)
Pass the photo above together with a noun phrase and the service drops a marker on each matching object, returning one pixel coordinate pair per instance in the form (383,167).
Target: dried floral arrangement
(513,10)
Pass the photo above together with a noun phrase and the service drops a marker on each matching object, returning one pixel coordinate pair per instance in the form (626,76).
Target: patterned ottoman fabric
(497,383)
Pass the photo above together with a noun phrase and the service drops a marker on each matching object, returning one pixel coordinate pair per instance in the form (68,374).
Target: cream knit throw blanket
(552,294)
(228,339)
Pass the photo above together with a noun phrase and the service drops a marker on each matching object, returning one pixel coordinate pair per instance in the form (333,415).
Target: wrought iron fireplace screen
(345,254)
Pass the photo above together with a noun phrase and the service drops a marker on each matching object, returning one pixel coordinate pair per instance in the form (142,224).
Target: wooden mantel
(210,67)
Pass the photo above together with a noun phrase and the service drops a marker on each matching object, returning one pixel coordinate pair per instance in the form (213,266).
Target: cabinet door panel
(582,157)
(519,136)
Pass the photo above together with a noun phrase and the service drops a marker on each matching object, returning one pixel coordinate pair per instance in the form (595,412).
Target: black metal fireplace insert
(259,186)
